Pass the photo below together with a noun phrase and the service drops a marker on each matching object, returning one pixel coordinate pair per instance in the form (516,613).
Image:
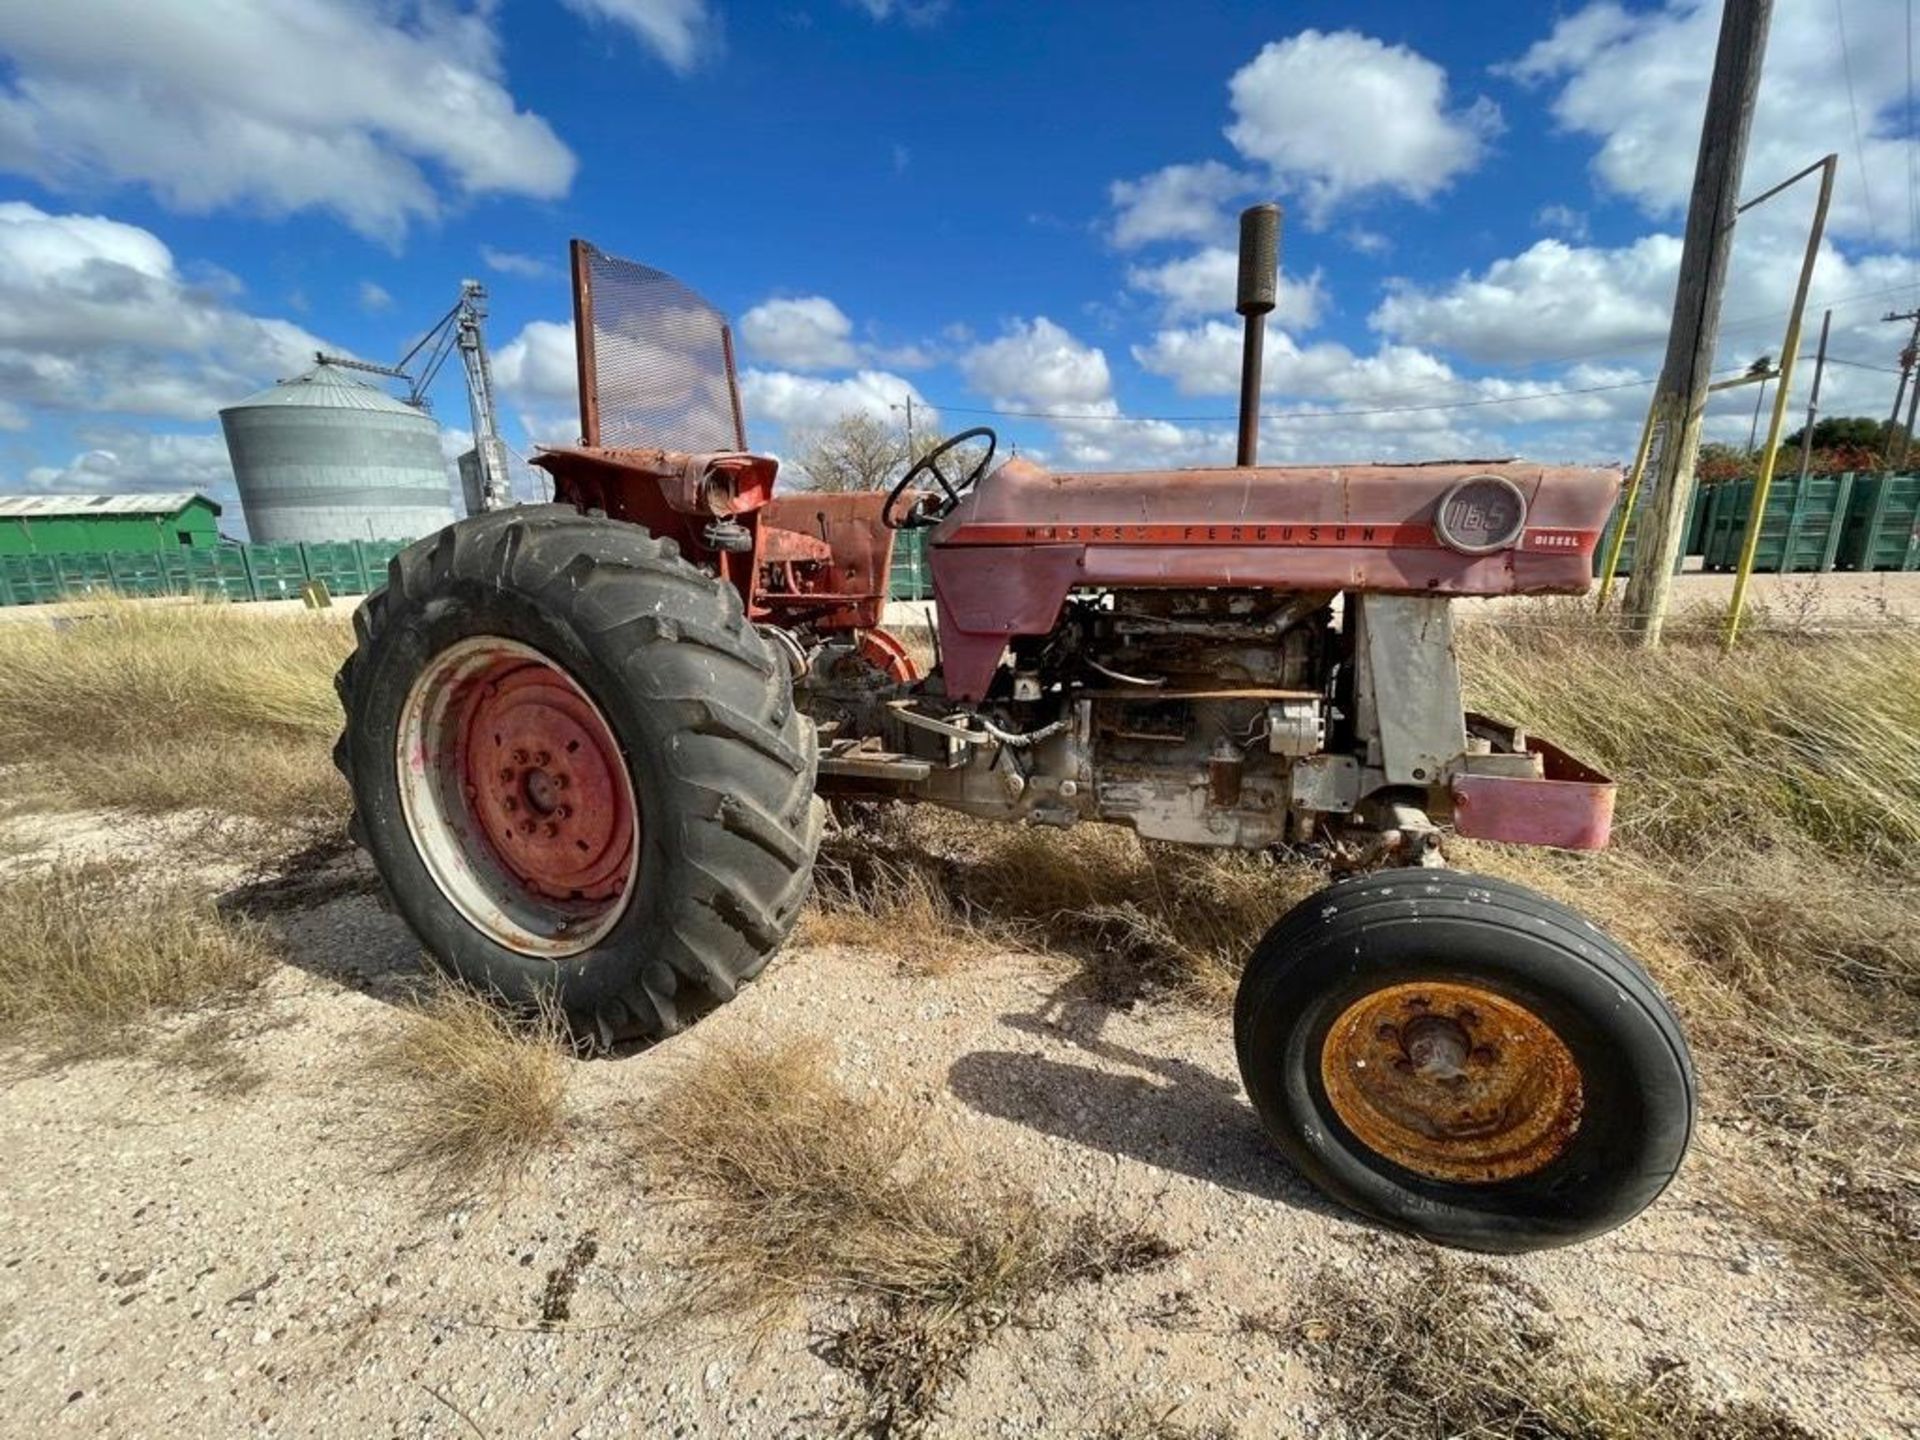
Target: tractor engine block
(1179,713)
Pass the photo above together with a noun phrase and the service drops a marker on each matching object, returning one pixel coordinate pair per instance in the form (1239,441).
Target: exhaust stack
(1259,283)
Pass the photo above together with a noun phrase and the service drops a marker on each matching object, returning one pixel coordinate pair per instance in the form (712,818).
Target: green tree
(1838,430)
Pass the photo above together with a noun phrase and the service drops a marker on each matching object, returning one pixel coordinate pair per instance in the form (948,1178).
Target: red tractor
(588,744)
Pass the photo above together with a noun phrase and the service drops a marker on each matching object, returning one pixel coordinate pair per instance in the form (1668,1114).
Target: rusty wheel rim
(518,798)
(1452,1081)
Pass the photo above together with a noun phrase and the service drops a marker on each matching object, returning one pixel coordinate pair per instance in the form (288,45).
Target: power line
(1859,150)
(1913,190)
(1861,365)
(1624,349)
(1304,414)
(1473,404)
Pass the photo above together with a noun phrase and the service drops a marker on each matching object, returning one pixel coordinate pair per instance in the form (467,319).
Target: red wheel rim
(885,652)
(518,797)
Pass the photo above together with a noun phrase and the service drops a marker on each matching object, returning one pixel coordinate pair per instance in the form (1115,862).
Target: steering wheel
(933,509)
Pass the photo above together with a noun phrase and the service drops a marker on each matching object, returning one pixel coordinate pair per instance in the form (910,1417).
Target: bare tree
(855,452)
(859,452)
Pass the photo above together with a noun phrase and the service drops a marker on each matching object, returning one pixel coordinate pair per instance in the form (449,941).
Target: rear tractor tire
(578,769)
(1458,1057)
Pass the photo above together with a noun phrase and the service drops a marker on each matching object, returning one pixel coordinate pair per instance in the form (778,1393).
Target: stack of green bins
(910,579)
(1800,530)
(1883,525)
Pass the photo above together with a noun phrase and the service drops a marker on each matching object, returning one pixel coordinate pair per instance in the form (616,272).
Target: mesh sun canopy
(657,367)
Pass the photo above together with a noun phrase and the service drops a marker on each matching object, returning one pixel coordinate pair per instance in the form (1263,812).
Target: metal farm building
(106,524)
(325,456)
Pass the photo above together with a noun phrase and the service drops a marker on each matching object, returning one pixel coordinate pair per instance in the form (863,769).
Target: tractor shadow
(323,903)
(1162,1111)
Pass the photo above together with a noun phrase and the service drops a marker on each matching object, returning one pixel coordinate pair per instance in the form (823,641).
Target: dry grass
(168,707)
(1766,869)
(803,1190)
(1796,978)
(1808,740)
(87,955)
(1146,1422)
(1459,1350)
(466,1094)
(931,887)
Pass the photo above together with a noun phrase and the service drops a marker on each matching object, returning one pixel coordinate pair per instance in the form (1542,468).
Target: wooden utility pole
(1681,398)
(1813,400)
(1913,413)
(1900,391)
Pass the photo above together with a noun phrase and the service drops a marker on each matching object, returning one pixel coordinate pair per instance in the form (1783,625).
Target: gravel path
(184,1255)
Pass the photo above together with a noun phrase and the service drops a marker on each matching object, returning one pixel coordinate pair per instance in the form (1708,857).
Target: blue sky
(992,206)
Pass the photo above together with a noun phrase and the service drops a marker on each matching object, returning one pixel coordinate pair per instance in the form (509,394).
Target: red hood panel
(1004,561)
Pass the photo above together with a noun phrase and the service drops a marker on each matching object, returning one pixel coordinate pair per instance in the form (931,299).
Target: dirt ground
(188,1252)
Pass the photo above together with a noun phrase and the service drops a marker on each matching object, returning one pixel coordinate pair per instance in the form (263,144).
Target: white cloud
(1560,302)
(1551,300)
(1637,82)
(539,364)
(509,262)
(913,12)
(539,373)
(1037,365)
(1206,282)
(274,105)
(1336,116)
(680,32)
(373,298)
(122,461)
(1179,202)
(1399,402)
(96,316)
(808,402)
(1562,220)
(808,333)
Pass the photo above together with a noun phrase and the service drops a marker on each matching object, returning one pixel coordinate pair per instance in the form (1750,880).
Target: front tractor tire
(578,769)
(1461,1058)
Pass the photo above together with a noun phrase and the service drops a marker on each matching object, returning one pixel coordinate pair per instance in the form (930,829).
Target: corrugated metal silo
(325,456)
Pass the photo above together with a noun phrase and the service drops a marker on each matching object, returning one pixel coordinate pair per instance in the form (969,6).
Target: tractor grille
(656,365)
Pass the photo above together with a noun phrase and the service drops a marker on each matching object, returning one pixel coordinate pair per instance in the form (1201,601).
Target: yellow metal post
(1626,512)
(1789,353)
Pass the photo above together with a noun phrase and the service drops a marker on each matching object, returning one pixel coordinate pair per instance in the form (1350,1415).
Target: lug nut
(509,804)
(519,757)
(549,830)
(1485,1054)
(1387,1031)
(565,812)
(543,758)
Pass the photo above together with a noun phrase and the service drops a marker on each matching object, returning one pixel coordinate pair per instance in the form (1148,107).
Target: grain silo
(325,456)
